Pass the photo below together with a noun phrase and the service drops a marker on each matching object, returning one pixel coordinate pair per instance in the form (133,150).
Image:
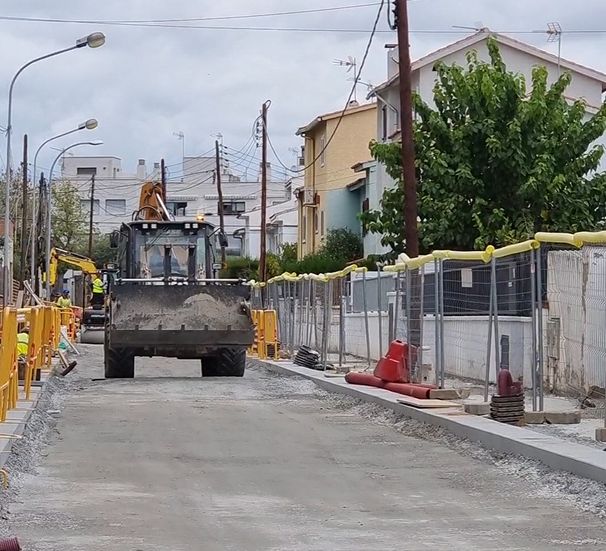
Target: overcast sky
(147,83)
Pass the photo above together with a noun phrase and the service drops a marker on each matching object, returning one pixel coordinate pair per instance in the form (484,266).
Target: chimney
(392,60)
(141,169)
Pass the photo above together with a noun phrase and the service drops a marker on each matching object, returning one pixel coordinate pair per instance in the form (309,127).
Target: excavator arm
(82,262)
(152,205)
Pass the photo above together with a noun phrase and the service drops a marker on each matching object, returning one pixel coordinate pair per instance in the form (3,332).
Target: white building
(282,222)
(518,57)
(116,194)
(193,194)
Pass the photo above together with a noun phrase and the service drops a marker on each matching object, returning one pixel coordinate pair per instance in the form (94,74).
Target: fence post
(301,294)
(540,327)
(325,324)
(396,309)
(409,323)
(489,339)
(441,294)
(436,316)
(379,310)
(533,323)
(365,305)
(495,306)
(342,298)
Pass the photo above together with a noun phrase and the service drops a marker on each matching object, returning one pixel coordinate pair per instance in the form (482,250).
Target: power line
(247,16)
(351,93)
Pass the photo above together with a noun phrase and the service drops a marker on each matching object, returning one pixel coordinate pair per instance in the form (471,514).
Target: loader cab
(167,249)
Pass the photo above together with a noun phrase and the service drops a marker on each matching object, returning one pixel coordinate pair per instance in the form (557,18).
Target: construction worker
(22,350)
(64,301)
(98,292)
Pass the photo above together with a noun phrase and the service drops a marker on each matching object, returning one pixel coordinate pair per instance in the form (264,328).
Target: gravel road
(172,461)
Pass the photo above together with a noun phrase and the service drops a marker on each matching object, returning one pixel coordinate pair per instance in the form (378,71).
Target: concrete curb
(556,453)
(14,426)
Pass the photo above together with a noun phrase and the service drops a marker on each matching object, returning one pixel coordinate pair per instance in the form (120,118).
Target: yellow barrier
(8,360)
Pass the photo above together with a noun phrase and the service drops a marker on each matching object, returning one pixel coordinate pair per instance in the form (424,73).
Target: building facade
(518,57)
(194,194)
(334,142)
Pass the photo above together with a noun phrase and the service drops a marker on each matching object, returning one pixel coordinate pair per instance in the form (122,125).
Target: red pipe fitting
(11,544)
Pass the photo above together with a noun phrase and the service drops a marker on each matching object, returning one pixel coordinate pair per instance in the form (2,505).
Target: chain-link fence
(537,308)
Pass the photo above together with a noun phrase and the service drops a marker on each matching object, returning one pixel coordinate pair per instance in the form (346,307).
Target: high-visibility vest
(22,344)
(98,287)
(64,302)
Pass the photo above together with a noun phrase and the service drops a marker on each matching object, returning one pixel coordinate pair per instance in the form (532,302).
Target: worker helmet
(65,292)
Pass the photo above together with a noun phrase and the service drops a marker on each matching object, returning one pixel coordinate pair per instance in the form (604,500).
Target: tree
(344,244)
(496,164)
(69,221)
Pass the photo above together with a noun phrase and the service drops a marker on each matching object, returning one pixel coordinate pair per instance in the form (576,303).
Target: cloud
(147,83)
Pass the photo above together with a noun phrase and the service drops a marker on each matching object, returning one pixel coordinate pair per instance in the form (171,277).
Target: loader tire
(227,362)
(119,364)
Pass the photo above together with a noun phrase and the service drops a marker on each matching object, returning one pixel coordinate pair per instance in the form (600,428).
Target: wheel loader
(167,299)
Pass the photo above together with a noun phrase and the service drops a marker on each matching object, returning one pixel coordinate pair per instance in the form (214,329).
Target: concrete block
(562,417)
(477,408)
(600,434)
(444,394)
(534,417)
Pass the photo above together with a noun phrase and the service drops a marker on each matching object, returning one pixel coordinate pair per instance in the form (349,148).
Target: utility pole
(91,216)
(409,178)
(262,256)
(409,183)
(23,262)
(37,240)
(163,179)
(220,197)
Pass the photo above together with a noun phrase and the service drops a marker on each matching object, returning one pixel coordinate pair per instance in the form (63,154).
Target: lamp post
(50,207)
(90,124)
(93,40)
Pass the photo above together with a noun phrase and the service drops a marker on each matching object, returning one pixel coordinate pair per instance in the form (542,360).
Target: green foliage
(240,267)
(340,247)
(496,163)
(288,252)
(69,221)
(343,244)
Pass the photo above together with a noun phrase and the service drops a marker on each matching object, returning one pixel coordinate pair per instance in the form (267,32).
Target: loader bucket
(184,317)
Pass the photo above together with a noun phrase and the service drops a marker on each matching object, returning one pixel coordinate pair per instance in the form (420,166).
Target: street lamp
(90,124)
(50,208)
(93,40)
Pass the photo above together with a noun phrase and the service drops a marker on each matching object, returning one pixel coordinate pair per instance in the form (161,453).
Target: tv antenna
(351,64)
(554,33)
(181,136)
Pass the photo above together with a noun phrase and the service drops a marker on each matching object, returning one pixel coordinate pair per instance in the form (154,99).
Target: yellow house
(324,201)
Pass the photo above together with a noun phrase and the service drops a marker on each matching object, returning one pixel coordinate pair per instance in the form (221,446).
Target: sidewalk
(555,452)
(12,429)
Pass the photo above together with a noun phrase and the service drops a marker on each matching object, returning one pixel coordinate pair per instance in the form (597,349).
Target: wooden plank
(423,404)
(20,299)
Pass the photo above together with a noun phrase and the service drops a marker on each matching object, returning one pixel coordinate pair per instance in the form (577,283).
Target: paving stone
(534,417)
(477,408)
(562,417)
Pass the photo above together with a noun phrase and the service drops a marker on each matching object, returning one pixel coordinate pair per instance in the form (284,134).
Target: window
(115,206)
(234,207)
(176,208)
(86,170)
(304,229)
(322,150)
(322,223)
(365,208)
(85,206)
(384,123)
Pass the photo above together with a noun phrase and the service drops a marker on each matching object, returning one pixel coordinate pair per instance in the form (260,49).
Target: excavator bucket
(183,321)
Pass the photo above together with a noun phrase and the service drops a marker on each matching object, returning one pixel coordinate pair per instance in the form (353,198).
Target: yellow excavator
(79,261)
(93,318)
